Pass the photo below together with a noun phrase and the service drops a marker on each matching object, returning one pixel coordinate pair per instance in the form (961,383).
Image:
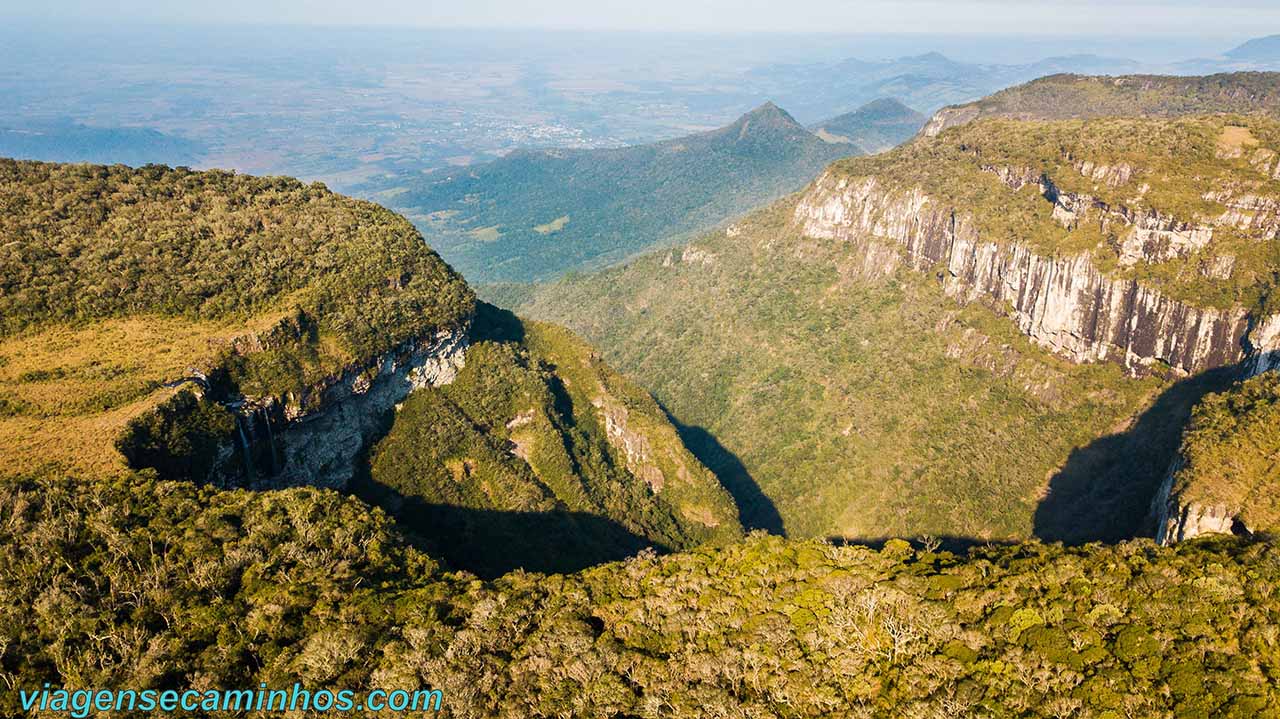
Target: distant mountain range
(66,141)
(925,82)
(874,127)
(534,215)
(1260,49)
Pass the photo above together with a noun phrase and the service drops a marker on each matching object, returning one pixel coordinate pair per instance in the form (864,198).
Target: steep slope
(237,331)
(169,586)
(539,456)
(534,215)
(1224,478)
(846,347)
(874,127)
(1066,97)
(836,393)
(1143,241)
(124,288)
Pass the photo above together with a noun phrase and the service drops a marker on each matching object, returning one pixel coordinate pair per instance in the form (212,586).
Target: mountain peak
(766,116)
(768,110)
(887,107)
(874,127)
(929,57)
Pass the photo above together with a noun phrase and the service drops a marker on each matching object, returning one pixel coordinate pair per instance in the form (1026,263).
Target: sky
(1233,18)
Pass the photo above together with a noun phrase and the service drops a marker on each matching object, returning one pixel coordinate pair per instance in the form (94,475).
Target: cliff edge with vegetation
(262,333)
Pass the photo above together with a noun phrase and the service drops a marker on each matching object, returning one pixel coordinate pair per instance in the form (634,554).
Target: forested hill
(874,127)
(537,214)
(1067,97)
(119,282)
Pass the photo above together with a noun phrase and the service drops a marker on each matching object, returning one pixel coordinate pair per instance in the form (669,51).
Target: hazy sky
(1246,18)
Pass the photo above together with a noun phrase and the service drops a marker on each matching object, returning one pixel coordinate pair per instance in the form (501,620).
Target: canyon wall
(1176,518)
(1064,303)
(314,437)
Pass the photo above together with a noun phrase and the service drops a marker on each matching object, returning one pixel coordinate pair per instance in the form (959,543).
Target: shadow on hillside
(490,543)
(494,324)
(755,510)
(1105,489)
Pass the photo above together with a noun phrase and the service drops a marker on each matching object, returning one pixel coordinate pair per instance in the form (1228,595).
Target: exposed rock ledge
(1063,303)
(1176,520)
(949,117)
(315,439)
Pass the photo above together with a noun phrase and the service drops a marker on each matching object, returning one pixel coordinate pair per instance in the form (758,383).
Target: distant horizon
(118,24)
(1241,18)
(961,45)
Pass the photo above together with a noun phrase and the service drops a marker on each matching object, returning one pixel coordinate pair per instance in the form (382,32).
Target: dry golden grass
(1234,139)
(69,390)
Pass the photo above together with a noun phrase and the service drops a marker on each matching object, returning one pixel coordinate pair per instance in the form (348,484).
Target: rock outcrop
(949,117)
(1176,520)
(314,437)
(1064,303)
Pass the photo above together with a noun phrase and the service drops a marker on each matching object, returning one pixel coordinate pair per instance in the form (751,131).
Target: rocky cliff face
(1064,303)
(949,117)
(314,437)
(1177,520)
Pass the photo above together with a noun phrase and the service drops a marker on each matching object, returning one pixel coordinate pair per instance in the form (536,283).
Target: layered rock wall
(1064,303)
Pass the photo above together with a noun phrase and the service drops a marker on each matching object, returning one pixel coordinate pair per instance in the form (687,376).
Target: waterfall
(244,449)
(271,442)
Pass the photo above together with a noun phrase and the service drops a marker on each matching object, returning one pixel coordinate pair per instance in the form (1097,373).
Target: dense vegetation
(875,127)
(540,456)
(1064,97)
(165,585)
(1231,453)
(837,403)
(86,242)
(534,215)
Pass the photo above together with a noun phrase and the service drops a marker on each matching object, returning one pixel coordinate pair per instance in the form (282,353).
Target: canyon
(1066,303)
